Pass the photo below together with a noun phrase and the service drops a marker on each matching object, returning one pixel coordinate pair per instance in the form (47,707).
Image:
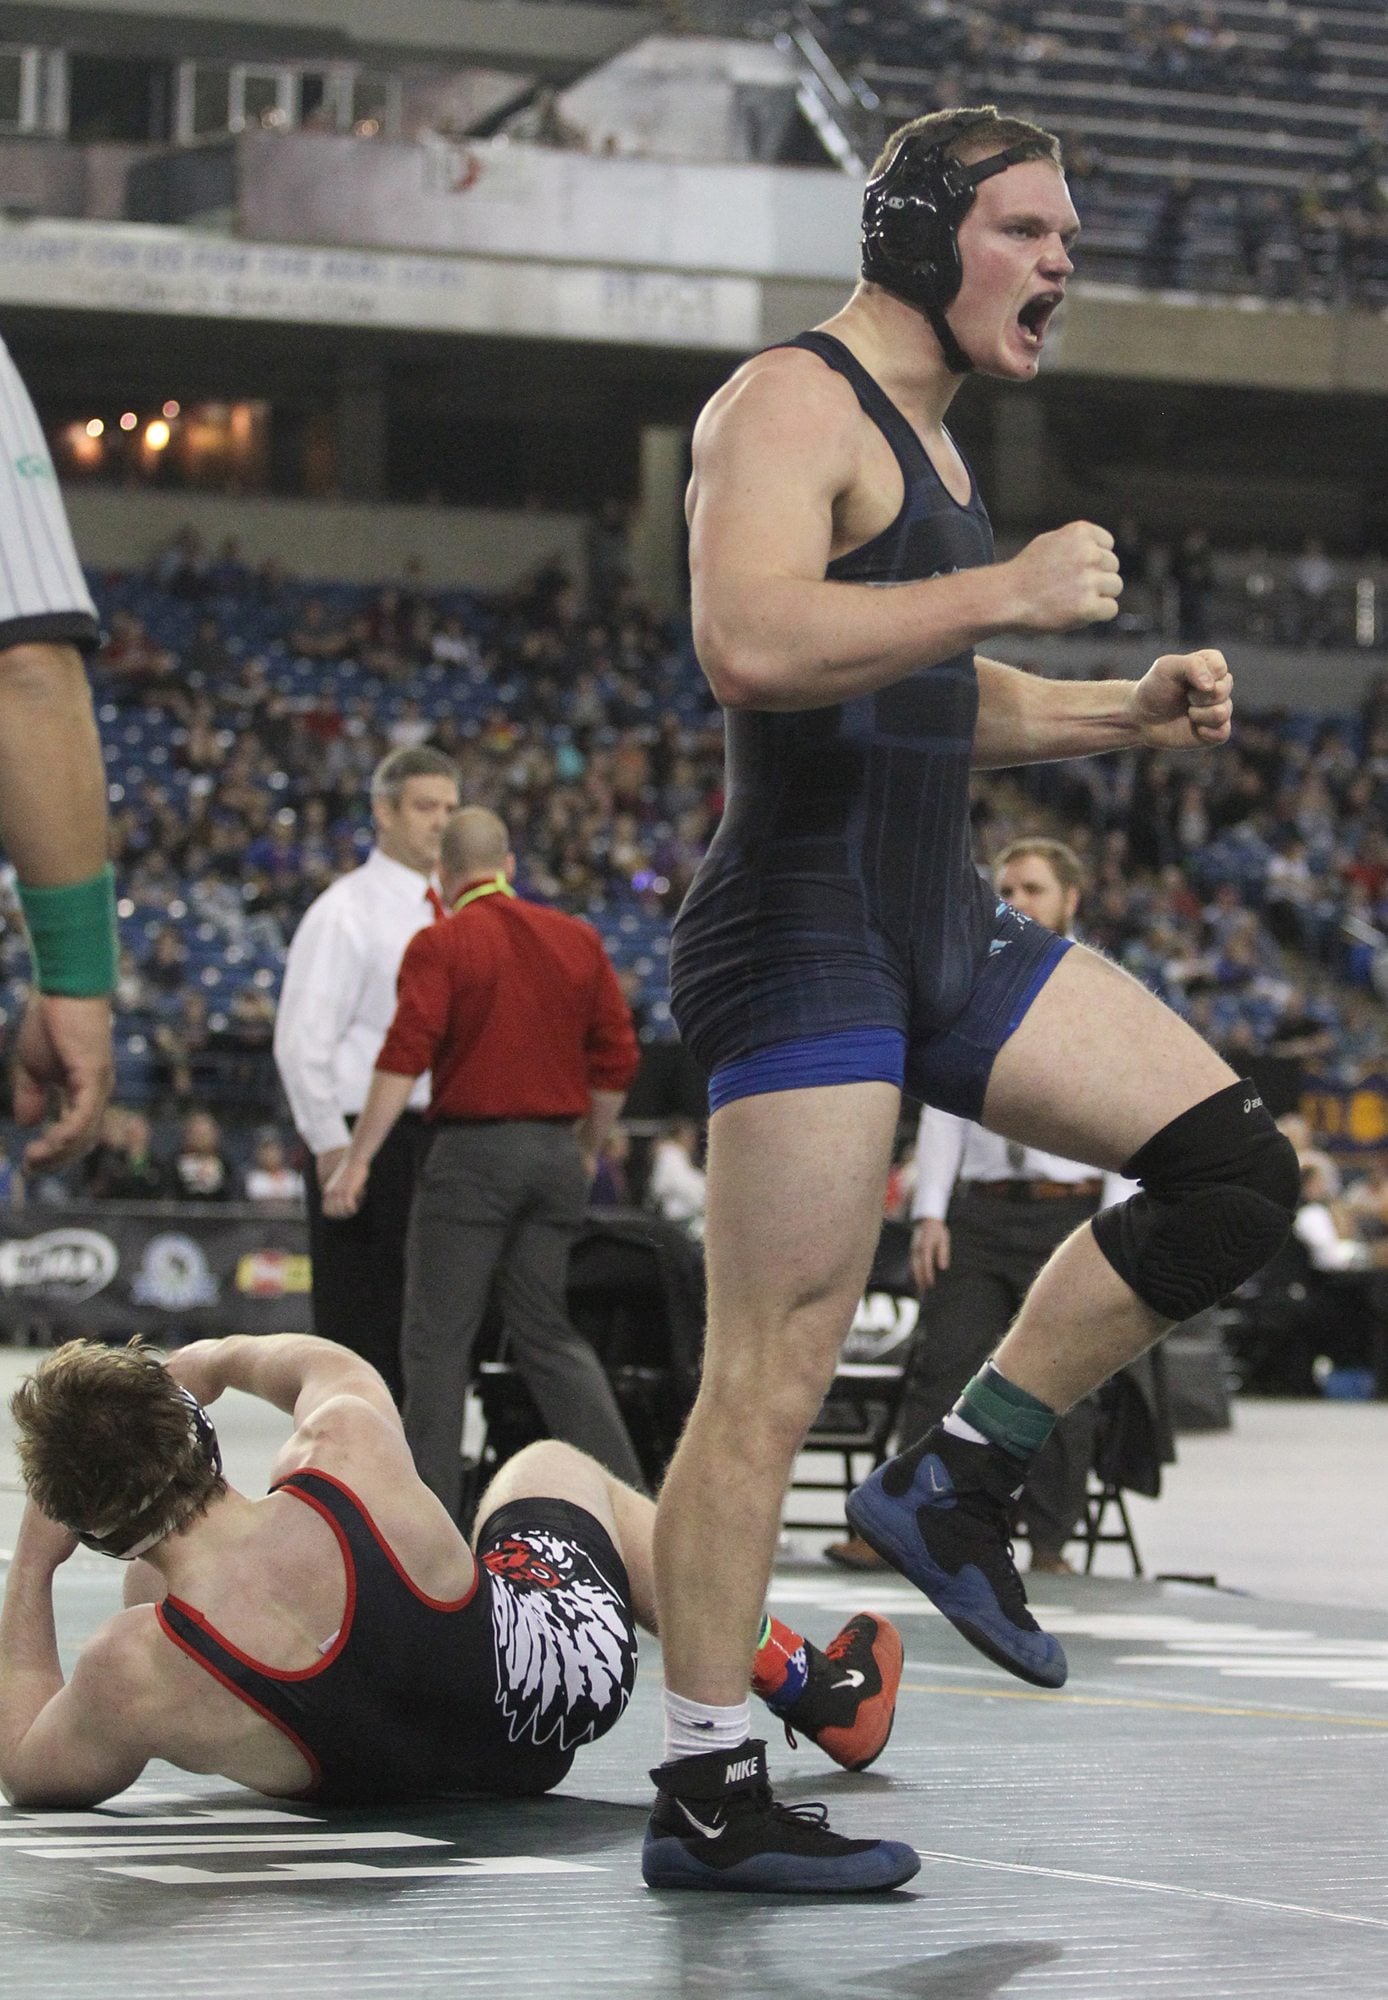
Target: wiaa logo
(174,1274)
(70,1264)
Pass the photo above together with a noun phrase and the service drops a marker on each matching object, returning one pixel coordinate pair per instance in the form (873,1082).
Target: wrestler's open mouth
(1036,314)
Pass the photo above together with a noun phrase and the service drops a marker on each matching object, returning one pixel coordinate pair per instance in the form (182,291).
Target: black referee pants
(996,1249)
(359,1262)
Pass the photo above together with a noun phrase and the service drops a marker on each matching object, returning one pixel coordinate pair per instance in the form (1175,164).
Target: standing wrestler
(52,796)
(839,944)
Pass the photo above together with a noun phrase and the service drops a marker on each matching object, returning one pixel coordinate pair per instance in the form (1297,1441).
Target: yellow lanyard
(497,887)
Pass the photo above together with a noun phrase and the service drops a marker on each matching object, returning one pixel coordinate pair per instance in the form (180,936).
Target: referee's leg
(458,1230)
(560,1367)
(359,1263)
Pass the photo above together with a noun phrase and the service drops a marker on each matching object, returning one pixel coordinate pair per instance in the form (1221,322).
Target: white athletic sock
(960,1427)
(691,1727)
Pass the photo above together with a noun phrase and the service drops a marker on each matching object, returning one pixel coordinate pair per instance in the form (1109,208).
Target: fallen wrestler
(338,1640)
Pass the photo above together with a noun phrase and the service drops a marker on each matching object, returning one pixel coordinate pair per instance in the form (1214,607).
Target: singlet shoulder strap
(333,1496)
(371,1552)
(911,454)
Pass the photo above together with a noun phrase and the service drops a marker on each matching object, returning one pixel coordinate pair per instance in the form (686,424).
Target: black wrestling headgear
(150,1521)
(911,216)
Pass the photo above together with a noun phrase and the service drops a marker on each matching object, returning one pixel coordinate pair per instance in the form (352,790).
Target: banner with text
(155,1268)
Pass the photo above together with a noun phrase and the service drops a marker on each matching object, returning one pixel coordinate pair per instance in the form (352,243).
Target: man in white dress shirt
(987,1214)
(336,1004)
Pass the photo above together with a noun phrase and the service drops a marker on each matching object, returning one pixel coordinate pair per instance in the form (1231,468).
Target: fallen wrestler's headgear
(153,1518)
(911,216)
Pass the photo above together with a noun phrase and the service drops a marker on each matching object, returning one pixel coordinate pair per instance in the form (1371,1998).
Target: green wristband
(72,935)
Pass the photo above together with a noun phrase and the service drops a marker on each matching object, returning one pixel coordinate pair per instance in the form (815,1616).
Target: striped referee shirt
(43,595)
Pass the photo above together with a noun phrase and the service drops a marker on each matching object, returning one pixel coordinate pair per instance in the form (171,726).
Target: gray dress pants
(996,1249)
(500,1198)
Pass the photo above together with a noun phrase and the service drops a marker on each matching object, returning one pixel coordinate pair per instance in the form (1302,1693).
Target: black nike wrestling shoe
(941,1513)
(848,1703)
(717,1826)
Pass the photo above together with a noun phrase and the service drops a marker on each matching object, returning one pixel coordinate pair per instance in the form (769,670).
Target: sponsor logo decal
(273,1274)
(70,1264)
(174,1274)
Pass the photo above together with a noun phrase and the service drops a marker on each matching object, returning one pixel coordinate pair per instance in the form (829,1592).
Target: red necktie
(435,902)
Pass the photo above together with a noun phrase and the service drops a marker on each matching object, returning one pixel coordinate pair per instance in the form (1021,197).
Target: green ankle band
(72,935)
(1011,1417)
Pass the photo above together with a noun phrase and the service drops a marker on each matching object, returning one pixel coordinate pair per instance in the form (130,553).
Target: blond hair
(1063,861)
(971,133)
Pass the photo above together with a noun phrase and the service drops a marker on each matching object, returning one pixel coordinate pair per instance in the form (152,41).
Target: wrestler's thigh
(1097,1065)
(550,1470)
(796,1184)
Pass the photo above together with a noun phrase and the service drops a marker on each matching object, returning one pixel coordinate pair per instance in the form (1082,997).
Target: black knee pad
(1220,1186)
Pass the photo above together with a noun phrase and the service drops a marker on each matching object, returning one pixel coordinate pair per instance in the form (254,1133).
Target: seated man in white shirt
(677,1188)
(1337,1323)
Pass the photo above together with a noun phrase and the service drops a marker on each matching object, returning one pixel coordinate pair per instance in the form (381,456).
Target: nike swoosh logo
(936,1483)
(709,1832)
(852,1679)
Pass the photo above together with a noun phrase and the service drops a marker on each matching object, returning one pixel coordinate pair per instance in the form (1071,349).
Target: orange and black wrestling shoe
(848,1703)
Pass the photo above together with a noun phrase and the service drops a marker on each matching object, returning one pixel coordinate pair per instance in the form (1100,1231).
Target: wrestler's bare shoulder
(123,1669)
(783,388)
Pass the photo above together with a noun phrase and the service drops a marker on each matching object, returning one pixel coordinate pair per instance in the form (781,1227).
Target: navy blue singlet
(840,890)
(415,1698)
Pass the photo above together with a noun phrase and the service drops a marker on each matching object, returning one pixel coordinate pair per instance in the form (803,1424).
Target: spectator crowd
(1214,202)
(243,713)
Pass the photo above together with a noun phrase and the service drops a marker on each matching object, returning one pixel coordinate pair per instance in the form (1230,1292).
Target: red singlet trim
(243,1694)
(434,1603)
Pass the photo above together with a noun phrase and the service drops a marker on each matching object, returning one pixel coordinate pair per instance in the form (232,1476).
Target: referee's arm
(613,1056)
(53,824)
(52,796)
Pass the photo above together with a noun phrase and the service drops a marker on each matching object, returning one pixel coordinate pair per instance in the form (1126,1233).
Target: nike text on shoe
(716,1826)
(941,1514)
(848,1703)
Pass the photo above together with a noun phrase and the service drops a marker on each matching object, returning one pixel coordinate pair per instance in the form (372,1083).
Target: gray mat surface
(1198,1814)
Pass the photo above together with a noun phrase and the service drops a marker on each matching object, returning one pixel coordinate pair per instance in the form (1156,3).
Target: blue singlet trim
(851,1055)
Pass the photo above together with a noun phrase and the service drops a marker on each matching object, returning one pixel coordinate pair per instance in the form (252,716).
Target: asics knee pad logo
(1219,1189)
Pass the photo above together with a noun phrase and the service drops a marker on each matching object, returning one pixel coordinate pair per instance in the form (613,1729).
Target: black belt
(557,1118)
(1024,1190)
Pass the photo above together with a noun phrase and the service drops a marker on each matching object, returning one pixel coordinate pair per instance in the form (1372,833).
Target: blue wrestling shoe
(941,1514)
(716,1826)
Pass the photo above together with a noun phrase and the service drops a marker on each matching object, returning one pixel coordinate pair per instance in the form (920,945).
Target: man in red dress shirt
(516,1011)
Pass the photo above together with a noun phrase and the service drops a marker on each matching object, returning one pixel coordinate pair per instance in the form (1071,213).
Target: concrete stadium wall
(356,542)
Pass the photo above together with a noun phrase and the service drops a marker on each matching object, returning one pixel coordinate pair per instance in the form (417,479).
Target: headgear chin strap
(149,1513)
(911,216)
